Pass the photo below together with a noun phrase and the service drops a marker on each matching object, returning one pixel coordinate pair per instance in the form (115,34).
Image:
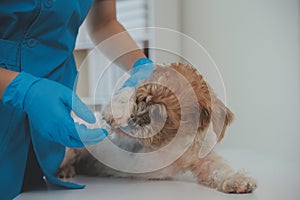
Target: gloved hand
(141,70)
(48,105)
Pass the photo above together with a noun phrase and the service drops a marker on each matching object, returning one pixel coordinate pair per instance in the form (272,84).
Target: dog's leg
(67,169)
(214,172)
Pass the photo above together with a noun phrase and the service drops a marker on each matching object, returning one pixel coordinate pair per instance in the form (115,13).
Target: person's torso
(38,36)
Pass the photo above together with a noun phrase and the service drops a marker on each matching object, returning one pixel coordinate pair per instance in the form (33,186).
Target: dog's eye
(137,100)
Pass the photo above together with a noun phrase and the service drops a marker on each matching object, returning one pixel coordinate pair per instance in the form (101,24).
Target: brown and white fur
(174,97)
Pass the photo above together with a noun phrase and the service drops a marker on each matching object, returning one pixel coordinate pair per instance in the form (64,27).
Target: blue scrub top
(37,37)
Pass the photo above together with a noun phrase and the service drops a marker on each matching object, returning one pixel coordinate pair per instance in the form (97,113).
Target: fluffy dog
(174,109)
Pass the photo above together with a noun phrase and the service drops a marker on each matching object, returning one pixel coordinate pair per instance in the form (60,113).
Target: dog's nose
(131,122)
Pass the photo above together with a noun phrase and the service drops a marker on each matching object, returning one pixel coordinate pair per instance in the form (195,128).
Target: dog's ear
(205,116)
(221,117)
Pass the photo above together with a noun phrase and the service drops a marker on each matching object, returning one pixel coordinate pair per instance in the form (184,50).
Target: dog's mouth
(135,122)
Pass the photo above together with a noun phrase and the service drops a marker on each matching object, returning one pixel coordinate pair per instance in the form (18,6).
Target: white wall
(255,44)
(165,14)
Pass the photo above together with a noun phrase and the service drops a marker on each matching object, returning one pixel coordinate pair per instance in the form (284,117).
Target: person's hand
(141,70)
(48,105)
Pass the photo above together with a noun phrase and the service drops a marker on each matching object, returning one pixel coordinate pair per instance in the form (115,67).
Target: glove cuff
(15,92)
(142,61)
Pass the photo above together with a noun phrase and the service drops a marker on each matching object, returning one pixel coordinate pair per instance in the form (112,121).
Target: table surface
(277,180)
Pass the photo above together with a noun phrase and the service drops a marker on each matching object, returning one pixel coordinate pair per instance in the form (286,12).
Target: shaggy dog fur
(174,99)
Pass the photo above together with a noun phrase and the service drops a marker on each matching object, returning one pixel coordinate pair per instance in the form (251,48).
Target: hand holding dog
(48,105)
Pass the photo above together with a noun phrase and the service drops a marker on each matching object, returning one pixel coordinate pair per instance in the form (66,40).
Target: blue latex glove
(48,105)
(141,70)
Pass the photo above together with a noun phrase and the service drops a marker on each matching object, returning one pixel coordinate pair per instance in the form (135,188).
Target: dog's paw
(66,172)
(239,183)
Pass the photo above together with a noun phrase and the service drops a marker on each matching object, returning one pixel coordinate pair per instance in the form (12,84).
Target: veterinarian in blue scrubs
(37,74)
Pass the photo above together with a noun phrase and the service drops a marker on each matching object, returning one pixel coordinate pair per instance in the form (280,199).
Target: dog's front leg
(214,172)
(66,168)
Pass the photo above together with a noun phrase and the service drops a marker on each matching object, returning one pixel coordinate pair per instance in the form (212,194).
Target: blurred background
(255,45)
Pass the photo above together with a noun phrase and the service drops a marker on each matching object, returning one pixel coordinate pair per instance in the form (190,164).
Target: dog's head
(174,97)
